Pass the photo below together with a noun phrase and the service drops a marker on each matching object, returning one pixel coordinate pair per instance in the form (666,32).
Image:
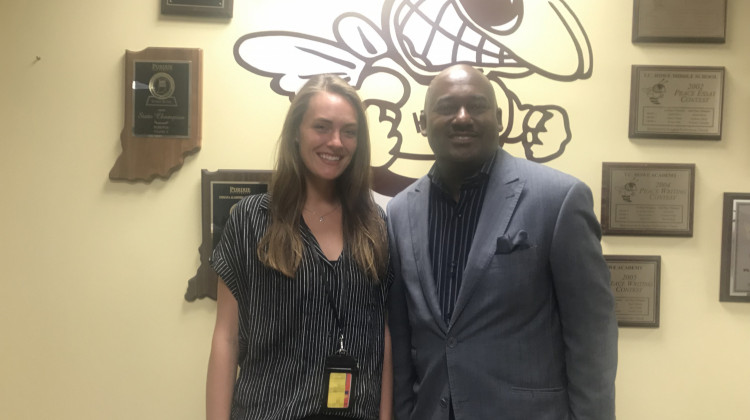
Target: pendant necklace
(322,216)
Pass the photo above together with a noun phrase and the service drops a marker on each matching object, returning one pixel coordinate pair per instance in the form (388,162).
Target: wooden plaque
(163,95)
(636,284)
(205,8)
(676,102)
(735,248)
(647,199)
(220,191)
(686,21)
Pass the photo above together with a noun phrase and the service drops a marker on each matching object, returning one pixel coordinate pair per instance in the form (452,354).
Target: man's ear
(500,127)
(422,123)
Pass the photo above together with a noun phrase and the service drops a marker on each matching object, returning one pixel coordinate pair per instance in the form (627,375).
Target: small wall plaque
(647,199)
(220,191)
(679,21)
(163,95)
(676,102)
(207,8)
(636,284)
(735,248)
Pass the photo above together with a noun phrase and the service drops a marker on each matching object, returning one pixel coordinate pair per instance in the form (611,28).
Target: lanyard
(337,316)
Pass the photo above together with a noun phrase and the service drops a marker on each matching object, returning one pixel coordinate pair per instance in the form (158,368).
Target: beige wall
(92,318)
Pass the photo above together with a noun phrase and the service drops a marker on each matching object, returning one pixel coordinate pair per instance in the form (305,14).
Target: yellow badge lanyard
(340,368)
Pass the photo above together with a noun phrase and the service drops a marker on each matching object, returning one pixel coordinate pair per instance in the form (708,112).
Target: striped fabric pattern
(452,226)
(287,327)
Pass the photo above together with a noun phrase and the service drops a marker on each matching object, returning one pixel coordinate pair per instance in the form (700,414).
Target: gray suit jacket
(533,335)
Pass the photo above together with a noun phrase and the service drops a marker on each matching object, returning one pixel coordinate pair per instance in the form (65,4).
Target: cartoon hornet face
(506,39)
(656,92)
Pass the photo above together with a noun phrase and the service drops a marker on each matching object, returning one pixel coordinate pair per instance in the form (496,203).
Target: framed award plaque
(220,191)
(163,111)
(676,102)
(207,8)
(647,199)
(735,248)
(689,21)
(636,284)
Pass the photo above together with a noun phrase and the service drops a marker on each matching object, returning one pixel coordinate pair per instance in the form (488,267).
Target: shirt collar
(482,175)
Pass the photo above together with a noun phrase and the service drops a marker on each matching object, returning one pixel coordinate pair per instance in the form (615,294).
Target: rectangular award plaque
(679,21)
(673,102)
(676,102)
(220,191)
(208,8)
(161,98)
(735,248)
(647,199)
(635,281)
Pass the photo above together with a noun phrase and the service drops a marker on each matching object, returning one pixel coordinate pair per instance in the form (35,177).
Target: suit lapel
(503,192)
(418,201)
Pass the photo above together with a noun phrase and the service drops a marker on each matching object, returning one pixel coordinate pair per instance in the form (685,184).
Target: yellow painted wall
(93,324)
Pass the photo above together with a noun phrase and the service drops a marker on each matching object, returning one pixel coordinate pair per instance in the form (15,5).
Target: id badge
(340,373)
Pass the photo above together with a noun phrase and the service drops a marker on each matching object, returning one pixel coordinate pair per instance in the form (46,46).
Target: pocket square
(507,244)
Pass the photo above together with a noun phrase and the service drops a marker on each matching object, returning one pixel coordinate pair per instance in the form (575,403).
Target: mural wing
(278,55)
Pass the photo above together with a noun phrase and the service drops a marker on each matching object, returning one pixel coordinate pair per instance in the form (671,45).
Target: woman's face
(327,136)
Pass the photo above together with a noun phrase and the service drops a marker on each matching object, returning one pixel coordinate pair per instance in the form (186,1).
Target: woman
(304,277)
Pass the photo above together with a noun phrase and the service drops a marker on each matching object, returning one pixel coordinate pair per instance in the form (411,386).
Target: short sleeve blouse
(287,326)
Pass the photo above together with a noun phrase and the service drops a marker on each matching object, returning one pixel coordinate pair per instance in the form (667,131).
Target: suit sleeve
(582,285)
(398,322)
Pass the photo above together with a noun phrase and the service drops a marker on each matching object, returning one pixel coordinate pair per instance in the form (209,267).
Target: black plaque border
(635,113)
(656,304)
(607,168)
(727,233)
(176,7)
(637,36)
(203,284)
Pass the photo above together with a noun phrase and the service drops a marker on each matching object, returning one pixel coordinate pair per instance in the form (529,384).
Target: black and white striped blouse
(287,326)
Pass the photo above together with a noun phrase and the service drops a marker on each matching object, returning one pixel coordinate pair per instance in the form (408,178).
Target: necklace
(321,217)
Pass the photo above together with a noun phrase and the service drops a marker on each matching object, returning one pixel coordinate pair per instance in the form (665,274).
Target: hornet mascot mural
(416,39)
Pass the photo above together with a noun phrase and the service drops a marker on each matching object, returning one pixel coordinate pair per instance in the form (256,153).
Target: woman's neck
(322,214)
(321,194)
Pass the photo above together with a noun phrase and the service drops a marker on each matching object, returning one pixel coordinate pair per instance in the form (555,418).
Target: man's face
(461,119)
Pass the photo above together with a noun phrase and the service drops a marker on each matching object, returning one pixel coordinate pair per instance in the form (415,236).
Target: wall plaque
(676,102)
(220,191)
(647,199)
(636,283)
(735,248)
(163,94)
(679,21)
(207,8)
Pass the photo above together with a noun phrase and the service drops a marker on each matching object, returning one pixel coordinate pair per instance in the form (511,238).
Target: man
(501,307)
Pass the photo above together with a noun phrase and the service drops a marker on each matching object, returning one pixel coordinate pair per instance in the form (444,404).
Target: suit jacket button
(444,402)
(452,342)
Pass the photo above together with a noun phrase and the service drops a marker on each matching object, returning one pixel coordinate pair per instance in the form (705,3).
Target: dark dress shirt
(452,227)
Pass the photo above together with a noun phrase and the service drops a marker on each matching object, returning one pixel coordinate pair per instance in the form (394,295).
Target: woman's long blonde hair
(364,230)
